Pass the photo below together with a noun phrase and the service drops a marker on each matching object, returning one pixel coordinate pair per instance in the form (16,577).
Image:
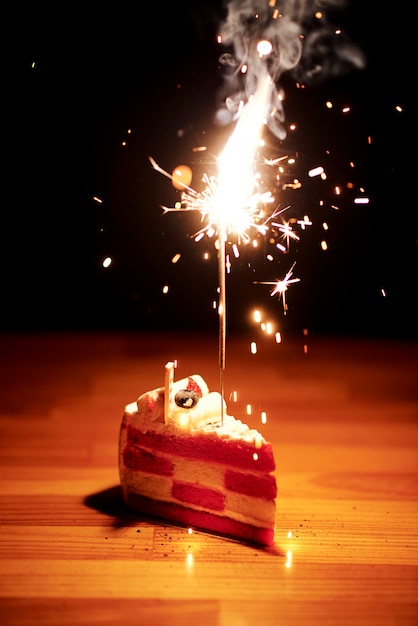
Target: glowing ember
(181,177)
(264,47)
(361,200)
(316,171)
(257,316)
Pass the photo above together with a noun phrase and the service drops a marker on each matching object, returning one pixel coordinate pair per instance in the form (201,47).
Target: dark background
(79,82)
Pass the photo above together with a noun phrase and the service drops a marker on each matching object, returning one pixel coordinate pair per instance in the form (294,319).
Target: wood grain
(343,419)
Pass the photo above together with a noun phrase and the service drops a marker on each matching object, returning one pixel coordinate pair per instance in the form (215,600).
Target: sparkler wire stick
(222,314)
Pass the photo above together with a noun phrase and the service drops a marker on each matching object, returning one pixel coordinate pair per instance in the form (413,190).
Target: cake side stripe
(139,459)
(248,509)
(203,446)
(210,474)
(198,494)
(151,485)
(202,520)
(248,484)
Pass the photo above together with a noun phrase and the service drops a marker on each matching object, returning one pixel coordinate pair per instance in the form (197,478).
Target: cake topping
(192,385)
(186,398)
(182,396)
(189,405)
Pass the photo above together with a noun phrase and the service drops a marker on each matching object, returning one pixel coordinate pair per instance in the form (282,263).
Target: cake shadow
(110,502)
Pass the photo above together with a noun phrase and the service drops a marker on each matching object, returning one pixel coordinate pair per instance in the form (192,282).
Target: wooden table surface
(342,418)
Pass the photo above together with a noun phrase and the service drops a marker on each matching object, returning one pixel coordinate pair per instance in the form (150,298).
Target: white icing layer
(206,411)
(204,417)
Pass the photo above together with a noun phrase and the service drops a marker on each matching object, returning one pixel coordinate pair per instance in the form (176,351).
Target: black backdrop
(90,94)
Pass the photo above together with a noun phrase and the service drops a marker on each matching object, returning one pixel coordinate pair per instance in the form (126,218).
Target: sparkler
(232,202)
(236,201)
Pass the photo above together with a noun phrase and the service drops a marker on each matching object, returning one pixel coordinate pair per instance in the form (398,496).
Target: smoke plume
(305,45)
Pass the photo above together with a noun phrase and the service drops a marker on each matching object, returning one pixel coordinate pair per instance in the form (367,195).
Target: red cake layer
(204,447)
(197,494)
(138,459)
(202,520)
(260,486)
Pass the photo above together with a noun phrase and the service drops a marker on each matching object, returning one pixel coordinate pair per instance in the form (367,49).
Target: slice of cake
(182,458)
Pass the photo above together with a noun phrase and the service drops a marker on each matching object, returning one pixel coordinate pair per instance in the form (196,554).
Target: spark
(287,233)
(305,222)
(361,200)
(275,161)
(316,171)
(296,184)
(281,286)
(257,316)
(286,229)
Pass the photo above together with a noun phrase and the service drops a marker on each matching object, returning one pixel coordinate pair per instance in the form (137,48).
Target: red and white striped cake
(183,459)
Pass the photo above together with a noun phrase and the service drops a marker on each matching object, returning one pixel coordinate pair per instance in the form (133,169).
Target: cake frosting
(184,459)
